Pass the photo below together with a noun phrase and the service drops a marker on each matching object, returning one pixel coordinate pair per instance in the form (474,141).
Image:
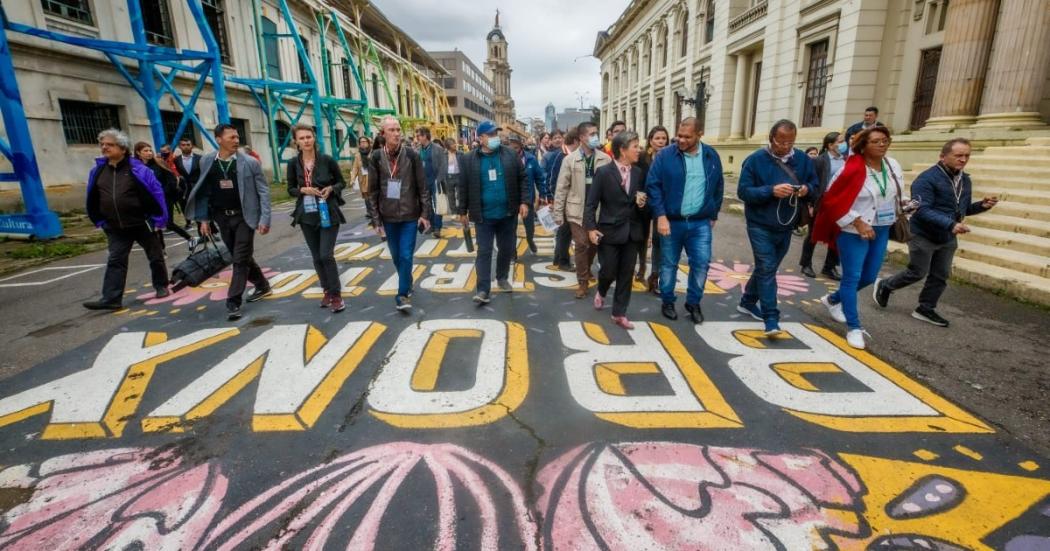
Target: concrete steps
(1007,240)
(1004,256)
(1028,211)
(1006,223)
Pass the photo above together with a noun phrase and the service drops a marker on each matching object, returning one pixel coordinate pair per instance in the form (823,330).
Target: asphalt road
(529,423)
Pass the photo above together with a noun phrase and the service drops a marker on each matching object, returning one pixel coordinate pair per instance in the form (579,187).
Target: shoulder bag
(900,231)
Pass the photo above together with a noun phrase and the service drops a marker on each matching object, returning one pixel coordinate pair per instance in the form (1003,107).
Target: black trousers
(120,243)
(617,265)
(562,240)
(239,238)
(929,260)
(173,226)
(321,242)
(830,261)
(530,223)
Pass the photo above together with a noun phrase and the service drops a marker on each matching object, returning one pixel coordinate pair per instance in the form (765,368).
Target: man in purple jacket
(126,201)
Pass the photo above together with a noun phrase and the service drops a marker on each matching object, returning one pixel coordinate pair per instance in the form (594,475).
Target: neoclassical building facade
(973,67)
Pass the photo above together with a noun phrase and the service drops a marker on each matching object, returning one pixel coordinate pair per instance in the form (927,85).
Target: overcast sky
(543,37)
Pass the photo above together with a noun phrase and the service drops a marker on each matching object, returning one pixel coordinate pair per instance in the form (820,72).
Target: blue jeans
(695,237)
(861,260)
(435,218)
(503,233)
(769,247)
(401,238)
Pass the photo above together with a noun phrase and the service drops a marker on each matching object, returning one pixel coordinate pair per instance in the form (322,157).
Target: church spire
(497,19)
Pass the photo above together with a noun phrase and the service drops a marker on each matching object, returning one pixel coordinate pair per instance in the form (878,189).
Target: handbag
(202,263)
(900,231)
(441,203)
(804,219)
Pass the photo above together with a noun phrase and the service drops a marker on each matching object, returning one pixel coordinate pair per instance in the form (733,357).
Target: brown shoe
(654,284)
(581,291)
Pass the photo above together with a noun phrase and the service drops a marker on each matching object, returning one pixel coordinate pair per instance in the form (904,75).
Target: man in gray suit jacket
(233,193)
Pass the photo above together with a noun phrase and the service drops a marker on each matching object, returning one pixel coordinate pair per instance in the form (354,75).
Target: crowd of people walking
(630,205)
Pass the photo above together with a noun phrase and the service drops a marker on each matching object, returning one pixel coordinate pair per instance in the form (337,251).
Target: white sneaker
(834,309)
(855,338)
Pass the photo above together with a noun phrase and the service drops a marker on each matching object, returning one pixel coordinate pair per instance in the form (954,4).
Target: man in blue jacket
(944,194)
(773,182)
(126,201)
(536,180)
(685,187)
(564,145)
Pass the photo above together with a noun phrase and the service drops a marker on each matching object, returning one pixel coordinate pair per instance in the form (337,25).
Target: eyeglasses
(107,144)
(879,142)
(784,144)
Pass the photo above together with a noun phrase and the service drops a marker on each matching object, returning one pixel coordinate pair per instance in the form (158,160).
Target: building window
(663,47)
(348,86)
(171,120)
(685,36)
(816,84)
(659,111)
(452,102)
(709,22)
(77,10)
(304,75)
(215,14)
(242,130)
(83,120)
(156,18)
(284,132)
(271,49)
(922,103)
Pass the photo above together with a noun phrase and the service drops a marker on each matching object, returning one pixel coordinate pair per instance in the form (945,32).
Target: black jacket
(822,165)
(414,200)
(326,174)
(468,192)
(939,210)
(620,220)
(168,181)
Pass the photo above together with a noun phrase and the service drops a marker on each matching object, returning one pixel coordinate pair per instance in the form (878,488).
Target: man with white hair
(399,202)
(126,201)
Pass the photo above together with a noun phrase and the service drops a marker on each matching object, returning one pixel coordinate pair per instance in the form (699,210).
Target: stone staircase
(1008,250)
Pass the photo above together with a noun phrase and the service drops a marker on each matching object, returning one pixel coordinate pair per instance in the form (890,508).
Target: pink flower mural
(670,496)
(111,499)
(213,290)
(346,502)
(730,278)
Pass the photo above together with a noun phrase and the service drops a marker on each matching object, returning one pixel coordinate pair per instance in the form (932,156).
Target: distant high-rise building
(572,117)
(549,118)
(469,91)
(498,70)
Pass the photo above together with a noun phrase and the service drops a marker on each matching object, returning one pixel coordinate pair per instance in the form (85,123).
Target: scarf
(838,199)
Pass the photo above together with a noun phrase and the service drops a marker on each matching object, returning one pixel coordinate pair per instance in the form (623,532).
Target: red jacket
(838,199)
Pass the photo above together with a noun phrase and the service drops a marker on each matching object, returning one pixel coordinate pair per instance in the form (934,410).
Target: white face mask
(493,143)
(593,142)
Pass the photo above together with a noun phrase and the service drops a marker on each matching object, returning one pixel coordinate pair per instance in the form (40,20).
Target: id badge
(493,176)
(885,215)
(364,172)
(589,180)
(393,189)
(226,184)
(309,203)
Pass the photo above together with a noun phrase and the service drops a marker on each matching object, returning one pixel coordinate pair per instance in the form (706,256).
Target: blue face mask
(593,142)
(493,143)
(842,148)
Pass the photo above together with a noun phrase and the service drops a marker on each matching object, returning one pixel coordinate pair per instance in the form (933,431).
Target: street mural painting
(529,423)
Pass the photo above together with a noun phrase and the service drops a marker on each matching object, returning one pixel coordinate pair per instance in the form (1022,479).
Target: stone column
(968,35)
(743,68)
(1019,66)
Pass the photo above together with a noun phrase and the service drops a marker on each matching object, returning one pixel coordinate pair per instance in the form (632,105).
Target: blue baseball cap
(487,127)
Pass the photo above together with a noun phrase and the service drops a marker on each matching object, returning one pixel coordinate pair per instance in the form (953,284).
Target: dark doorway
(924,87)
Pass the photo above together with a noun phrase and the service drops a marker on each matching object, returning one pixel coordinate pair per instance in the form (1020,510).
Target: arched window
(647,56)
(605,85)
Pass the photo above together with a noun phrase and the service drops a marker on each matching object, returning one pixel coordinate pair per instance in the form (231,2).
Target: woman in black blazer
(618,230)
(316,182)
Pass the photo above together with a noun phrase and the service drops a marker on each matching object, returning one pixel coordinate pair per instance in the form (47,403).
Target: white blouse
(870,204)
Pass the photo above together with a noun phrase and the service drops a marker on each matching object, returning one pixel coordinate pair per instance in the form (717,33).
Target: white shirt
(870,202)
(187,163)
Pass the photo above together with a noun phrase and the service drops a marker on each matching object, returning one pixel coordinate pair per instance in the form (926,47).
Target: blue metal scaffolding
(153,78)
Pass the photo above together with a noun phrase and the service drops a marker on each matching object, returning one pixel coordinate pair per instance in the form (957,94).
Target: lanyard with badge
(393,185)
(885,212)
(496,173)
(224,166)
(309,201)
